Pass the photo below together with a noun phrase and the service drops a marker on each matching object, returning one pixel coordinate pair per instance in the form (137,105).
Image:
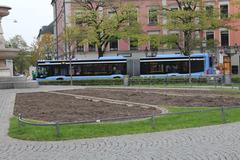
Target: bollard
(57,129)
(153,121)
(222,115)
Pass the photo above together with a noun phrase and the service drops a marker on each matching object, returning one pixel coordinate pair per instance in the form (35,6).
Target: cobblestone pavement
(207,143)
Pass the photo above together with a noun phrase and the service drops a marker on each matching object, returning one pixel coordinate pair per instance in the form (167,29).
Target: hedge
(132,81)
(236,79)
(172,80)
(84,82)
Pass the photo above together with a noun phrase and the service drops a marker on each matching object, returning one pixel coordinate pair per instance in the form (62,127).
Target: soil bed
(161,97)
(64,108)
(60,108)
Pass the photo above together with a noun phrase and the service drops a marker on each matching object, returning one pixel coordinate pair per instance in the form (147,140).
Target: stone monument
(7,80)
(6,54)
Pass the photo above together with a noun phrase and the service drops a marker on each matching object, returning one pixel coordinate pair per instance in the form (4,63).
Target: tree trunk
(187,43)
(70,64)
(190,69)
(71,76)
(100,51)
(187,50)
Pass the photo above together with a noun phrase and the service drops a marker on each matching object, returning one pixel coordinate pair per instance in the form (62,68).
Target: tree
(70,36)
(17,42)
(192,18)
(23,60)
(103,20)
(44,48)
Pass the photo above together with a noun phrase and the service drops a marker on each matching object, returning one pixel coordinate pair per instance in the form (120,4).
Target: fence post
(215,82)
(166,81)
(19,120)
(57,129)
(153,121)
(222,114)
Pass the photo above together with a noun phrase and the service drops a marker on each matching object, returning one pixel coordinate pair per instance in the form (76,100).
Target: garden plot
(107,103)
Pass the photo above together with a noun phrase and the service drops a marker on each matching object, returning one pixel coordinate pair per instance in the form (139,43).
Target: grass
(182,85)
(163,123)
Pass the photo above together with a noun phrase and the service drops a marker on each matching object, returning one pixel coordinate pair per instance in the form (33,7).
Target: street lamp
(203,46)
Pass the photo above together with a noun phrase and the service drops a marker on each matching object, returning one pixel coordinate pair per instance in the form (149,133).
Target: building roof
(46,29)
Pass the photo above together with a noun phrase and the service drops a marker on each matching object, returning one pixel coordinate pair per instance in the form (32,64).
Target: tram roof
(111,57)
(180,55)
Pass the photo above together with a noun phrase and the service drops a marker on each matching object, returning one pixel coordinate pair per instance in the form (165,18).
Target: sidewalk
(210,143)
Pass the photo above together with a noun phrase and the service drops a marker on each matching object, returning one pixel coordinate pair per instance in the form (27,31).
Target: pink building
(63,10)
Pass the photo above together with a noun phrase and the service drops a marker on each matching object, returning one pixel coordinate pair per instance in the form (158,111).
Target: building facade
(63,9)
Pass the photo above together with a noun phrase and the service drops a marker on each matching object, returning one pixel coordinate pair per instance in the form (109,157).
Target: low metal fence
(168,82)
(214,81)
(22,122)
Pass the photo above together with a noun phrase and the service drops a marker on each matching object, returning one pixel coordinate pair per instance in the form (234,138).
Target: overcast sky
(31,15)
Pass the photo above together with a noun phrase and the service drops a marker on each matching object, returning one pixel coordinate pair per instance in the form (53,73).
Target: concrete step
(27,84)
(13,79)
(6,85)
(18,85)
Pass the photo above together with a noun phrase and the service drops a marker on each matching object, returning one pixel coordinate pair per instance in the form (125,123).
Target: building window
(133,18)
(224,38)
(153,43)
(209,35)
(224,11)
(92,47)
(209,10)
(80,47)
(78,21)
(234,69)
(114,44)
(153,15)
(133,44)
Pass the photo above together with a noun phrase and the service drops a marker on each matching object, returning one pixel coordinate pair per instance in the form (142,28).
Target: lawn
(163,123)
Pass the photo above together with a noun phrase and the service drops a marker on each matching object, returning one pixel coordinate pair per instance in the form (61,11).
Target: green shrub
(165,80)
(236,79)
(132,81)
(89,82)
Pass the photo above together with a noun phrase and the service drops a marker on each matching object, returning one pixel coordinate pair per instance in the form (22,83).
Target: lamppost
(203,46)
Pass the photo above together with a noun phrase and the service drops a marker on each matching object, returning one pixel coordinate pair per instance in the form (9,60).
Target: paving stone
(221,142)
